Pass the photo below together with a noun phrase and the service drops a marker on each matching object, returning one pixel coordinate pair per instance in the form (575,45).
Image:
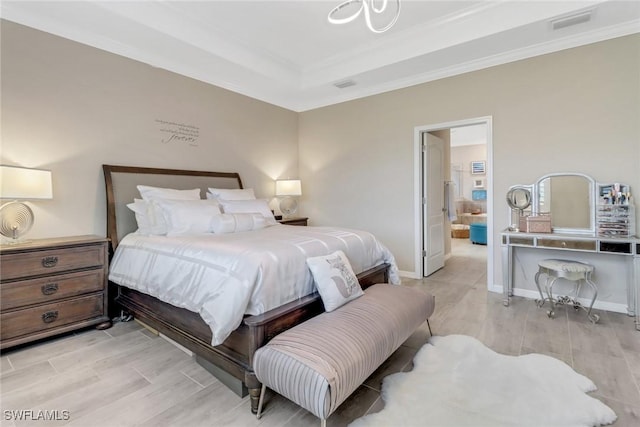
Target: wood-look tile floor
(127,376)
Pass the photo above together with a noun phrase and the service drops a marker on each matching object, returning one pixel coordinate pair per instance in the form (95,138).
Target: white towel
(451,200)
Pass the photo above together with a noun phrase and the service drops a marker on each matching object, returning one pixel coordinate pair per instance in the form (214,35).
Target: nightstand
(294,221)
(51,286)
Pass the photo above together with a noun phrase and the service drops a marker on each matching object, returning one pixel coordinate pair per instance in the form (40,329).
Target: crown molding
(603,34)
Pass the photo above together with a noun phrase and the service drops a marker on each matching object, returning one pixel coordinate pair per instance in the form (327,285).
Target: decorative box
(535,223)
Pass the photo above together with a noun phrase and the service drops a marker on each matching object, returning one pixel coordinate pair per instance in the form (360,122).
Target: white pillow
(155,222)
(143,216)
(156,193)
(260,206)
(231,194)
(233,223)
(335,280)
(185,217)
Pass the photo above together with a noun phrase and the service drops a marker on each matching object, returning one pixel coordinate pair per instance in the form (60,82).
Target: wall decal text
(172,132)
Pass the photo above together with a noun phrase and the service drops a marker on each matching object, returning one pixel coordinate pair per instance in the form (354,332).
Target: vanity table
(624,251)
(574,203)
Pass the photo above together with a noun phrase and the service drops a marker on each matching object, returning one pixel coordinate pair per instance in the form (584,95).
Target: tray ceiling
(287,54)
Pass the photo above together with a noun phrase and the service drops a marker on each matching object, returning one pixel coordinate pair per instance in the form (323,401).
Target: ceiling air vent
(344,83)
(567,21)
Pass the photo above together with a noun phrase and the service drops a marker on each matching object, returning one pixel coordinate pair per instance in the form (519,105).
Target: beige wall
(577,110)
(70,108)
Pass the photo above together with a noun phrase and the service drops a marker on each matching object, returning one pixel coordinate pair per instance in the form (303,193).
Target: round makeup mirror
(519,198)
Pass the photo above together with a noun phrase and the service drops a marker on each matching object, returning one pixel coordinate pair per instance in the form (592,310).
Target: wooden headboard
(121,182)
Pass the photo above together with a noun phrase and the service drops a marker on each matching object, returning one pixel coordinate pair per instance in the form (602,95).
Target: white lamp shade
(24,183)
(288,187)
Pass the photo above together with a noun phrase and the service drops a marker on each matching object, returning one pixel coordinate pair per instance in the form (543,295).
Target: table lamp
(18,183)
(288,189)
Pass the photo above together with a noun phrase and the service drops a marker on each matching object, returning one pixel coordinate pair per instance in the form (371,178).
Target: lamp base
(16,219)
(288,206)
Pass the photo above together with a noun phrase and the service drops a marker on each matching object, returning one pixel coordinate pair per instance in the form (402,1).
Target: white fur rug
(457,381)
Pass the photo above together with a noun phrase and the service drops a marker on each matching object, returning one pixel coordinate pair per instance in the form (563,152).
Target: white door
(433,208)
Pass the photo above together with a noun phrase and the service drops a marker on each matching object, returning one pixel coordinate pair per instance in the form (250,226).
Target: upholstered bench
(320,362)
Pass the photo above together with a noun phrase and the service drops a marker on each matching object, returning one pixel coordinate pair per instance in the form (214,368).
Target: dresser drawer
(48,289)
(586,245)
(37,263)
(49,316)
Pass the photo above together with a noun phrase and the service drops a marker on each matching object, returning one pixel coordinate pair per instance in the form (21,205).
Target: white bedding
(224,276)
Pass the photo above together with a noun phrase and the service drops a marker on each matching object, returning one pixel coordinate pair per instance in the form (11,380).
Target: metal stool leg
(578,287)
(541,301)
(549,285)
(593,317)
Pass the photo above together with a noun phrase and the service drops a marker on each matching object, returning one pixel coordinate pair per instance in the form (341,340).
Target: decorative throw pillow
(260,206)
(233,223)
(231,194)
(186,217)
(335,280)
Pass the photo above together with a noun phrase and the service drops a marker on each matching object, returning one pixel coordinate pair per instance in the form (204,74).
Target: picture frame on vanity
(478,167)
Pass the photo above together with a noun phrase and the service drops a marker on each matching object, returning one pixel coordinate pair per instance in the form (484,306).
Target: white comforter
(224,276)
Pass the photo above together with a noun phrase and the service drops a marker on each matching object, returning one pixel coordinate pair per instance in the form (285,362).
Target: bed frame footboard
(234,357)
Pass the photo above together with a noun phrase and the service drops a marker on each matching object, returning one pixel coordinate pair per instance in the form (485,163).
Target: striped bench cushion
(320,362)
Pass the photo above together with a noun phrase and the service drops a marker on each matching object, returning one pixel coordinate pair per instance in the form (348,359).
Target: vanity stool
(575,271)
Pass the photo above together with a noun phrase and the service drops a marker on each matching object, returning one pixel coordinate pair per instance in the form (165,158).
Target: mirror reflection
(569,200)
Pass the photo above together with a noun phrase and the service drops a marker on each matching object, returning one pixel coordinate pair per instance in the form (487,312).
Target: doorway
(433,178)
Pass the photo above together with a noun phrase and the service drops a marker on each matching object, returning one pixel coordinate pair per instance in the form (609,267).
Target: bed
(231,359)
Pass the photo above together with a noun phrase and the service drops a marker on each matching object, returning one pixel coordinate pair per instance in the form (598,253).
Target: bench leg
(261,401)
(253,387)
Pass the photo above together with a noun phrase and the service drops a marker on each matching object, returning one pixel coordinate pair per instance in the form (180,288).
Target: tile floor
(126,376)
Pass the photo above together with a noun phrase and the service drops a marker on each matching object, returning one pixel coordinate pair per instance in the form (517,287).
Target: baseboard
(599,305)
(409,274)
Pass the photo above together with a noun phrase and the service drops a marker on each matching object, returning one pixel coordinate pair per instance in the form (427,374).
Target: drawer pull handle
(49,261)
(564,244)
(49,288)
(50,316)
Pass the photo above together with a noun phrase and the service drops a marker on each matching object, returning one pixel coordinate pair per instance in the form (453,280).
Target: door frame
(419,191)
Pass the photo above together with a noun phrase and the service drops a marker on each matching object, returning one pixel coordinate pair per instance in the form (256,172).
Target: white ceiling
(286,53)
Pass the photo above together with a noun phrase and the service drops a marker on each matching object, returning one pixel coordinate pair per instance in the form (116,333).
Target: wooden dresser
(51,286)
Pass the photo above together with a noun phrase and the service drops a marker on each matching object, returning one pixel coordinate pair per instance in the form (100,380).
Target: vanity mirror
(567,197)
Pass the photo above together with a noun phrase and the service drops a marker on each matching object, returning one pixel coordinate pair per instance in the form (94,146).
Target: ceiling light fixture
(368,6)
